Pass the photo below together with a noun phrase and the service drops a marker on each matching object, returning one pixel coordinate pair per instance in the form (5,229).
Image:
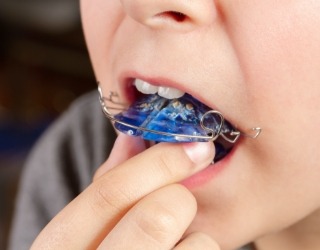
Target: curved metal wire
(212,134)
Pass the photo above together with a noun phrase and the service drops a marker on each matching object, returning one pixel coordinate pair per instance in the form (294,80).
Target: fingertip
(200,152)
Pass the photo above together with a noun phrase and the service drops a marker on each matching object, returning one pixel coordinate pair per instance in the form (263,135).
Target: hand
(134,201)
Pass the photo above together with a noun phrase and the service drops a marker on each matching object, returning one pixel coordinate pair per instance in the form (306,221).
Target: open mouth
(164,114)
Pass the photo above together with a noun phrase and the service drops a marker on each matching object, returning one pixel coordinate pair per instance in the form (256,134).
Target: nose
(183,15)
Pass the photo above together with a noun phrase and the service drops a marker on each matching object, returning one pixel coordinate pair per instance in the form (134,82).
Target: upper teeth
(166,92)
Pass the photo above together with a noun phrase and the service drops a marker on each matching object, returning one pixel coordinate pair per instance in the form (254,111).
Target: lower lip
(208,174)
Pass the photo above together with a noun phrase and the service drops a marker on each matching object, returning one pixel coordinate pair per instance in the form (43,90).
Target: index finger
(88,219)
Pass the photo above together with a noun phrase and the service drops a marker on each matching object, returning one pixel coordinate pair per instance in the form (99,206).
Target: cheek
(277,43)
(100,20)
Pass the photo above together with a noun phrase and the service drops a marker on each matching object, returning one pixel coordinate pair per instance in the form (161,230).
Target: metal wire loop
(212,134)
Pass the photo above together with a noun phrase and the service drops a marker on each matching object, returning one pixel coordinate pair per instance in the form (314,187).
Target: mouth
(165,114)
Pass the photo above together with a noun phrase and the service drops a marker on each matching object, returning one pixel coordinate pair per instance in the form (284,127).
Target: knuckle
(197,240)
(158,223)
(206,241)
(104,199)
(108,197)
(168,163)
(165,165)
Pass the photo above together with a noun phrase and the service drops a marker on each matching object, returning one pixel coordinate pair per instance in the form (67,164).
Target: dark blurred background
(44,66)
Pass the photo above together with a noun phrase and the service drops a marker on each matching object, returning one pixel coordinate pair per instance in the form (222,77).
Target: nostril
(177,16)
(174,15)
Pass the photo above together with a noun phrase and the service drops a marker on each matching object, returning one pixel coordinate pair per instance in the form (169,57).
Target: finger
(124,148)
(158,221)
(197,241)
(86,220)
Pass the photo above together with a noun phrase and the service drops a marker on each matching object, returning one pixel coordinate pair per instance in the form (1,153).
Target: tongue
(179,120)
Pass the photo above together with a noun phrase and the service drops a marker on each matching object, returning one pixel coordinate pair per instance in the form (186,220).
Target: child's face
(258,62)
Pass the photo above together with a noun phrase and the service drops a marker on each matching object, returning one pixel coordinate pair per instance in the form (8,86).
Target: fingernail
(200,152)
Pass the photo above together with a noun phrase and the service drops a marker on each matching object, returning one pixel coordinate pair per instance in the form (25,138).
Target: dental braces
(231,136)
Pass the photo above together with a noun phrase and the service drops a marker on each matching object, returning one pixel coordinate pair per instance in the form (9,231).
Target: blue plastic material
(177,116)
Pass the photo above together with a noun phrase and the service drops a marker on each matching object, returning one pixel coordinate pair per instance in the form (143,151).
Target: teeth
(145,88)
(169,93)
(166,92)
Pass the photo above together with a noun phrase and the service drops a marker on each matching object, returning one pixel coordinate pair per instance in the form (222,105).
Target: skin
(259,64)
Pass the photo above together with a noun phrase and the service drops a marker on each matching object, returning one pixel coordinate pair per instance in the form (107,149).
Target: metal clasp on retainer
(231,137)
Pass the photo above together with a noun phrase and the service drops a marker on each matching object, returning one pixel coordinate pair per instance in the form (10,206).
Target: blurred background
(44,66)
